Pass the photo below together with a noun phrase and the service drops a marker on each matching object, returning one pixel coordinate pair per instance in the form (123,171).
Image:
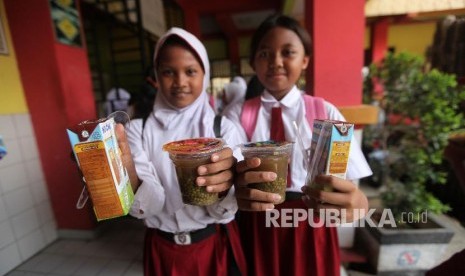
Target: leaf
(425,104)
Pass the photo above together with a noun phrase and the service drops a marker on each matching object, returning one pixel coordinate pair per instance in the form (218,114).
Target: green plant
(421,110)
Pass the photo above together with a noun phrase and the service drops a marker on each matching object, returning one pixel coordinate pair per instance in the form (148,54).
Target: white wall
(27,224)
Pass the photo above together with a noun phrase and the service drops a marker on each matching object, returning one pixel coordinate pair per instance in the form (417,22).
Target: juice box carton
(330,150)
(99,158)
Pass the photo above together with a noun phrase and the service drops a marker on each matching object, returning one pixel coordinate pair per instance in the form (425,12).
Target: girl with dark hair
(281,49)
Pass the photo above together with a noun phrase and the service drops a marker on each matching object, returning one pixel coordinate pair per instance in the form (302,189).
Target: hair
(254,88)
(279,20)
(175,40)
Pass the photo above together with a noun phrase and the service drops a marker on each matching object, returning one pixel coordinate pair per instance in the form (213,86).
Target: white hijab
(167,123)
(199,113)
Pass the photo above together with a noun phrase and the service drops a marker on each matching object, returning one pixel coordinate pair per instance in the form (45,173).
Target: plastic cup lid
(193,146)
(270,147)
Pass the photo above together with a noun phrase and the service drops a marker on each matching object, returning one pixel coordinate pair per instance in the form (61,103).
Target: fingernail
(209,189)
(269,208)
(276,197)
(202,170)
(272,175)
(200,181)
(215,157)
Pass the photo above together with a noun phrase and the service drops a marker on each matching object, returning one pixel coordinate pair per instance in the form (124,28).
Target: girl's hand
(217,176)
(126,156)
(249,199)
(345,195)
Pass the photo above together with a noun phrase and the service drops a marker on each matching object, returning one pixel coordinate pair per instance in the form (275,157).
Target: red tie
(277,133)
(277,126)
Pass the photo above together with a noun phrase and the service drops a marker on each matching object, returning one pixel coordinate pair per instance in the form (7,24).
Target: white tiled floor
(116,251)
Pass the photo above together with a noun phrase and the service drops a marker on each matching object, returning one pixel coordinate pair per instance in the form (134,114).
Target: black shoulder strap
(144,120)
(217,126)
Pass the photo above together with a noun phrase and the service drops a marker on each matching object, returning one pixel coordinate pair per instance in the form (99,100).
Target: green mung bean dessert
(187,155)
(274,157)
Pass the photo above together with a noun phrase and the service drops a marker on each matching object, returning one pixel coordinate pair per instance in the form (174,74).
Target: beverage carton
(330,150)
(99,158)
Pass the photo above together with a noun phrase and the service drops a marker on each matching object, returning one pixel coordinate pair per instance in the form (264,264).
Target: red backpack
(314,107)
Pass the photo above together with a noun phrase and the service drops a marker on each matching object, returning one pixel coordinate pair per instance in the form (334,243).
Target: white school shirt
(293,109)
(158,199)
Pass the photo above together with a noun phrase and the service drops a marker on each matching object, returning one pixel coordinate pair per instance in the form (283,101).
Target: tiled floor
(116,251)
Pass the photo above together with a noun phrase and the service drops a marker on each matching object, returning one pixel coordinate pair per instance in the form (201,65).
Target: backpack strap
(144,121)
(314,109)
(249,115)
(217,126)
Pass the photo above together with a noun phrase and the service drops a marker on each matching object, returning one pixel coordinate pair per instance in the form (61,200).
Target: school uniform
(301,250)
(181,239)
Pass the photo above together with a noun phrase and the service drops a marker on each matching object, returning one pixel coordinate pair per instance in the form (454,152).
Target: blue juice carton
(329,151)
(96,150)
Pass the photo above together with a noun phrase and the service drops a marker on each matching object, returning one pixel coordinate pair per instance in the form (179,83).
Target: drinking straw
(301,143)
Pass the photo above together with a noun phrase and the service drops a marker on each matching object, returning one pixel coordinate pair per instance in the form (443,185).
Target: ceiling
(242,22)
(230,17)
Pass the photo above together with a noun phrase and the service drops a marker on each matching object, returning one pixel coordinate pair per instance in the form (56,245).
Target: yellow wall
(244,46)
(216,48)
(412,38)
(11,89)
(366,42)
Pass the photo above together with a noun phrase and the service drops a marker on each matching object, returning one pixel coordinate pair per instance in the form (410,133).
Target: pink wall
(338,37)
(58,90)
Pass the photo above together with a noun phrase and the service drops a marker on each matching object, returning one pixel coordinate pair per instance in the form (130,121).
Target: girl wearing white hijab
(183,239)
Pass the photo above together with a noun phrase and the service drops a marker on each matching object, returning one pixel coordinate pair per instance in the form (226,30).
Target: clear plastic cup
(187,155)
(274,157)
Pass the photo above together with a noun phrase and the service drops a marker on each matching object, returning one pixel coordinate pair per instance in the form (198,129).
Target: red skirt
(212,256)
(301,250)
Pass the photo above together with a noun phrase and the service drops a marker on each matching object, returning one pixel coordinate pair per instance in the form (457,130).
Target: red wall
(379,40)
(58,89)
(338,37)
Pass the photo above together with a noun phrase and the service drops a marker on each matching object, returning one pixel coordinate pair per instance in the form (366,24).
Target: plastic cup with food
(187,155)
(274,157)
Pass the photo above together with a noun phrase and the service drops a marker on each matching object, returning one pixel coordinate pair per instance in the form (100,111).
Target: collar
(289,101)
